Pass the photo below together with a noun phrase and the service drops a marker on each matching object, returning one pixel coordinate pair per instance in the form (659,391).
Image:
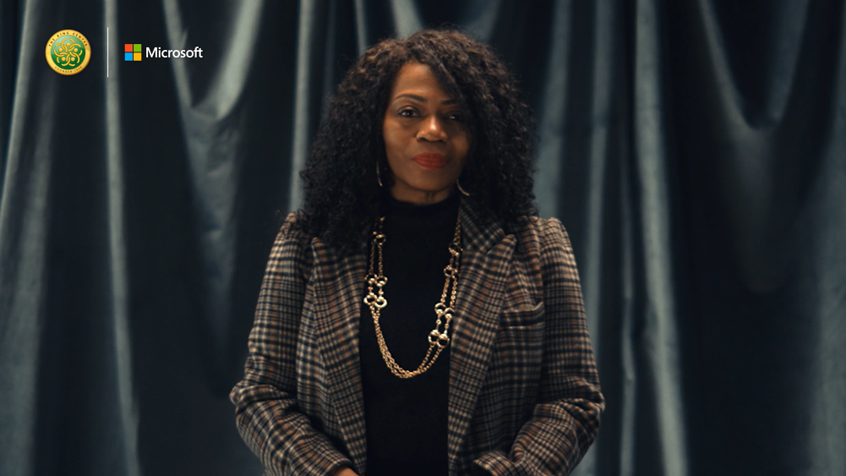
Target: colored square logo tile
(127,56)
(137,56)
(127,48)
(137,47)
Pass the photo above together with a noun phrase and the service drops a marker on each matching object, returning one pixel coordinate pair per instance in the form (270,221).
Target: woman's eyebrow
(422,99)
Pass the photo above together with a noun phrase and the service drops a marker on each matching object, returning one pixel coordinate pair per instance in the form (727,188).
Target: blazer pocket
(524,315)
(515,367)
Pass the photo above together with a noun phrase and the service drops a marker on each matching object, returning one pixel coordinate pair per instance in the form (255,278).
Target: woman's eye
(457,116)
(406,113)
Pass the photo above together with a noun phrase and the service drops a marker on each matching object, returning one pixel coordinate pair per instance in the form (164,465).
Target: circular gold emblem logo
(68,52)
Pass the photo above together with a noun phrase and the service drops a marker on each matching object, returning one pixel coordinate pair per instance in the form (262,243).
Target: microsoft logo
(132,52)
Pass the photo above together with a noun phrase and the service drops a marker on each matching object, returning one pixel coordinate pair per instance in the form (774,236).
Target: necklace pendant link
(373,300)
(441,339)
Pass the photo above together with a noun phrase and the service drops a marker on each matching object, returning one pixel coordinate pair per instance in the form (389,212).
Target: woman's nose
(432,129)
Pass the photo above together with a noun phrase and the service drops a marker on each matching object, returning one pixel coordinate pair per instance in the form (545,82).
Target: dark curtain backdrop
(695,150)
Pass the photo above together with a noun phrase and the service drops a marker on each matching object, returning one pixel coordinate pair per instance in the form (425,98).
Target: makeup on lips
(430,160)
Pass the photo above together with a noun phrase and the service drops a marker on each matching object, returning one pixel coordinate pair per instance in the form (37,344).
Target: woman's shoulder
(294,223)
(540,233)
(293,232)
(291,247)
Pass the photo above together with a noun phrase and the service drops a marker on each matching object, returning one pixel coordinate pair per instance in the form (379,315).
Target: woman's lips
(430,161)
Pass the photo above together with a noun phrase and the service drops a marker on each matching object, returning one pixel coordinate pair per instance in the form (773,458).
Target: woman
(417,317)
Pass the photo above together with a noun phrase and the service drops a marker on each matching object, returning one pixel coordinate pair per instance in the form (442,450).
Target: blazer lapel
(484,267)
(339,284)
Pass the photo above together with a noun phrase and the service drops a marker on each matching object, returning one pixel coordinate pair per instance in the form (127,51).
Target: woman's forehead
(414,77)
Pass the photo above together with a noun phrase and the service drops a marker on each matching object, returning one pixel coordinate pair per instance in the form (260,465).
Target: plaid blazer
(524,395)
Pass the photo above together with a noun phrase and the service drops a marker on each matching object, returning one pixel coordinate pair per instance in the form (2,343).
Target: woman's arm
(565,422)
(267,414)
(345,472)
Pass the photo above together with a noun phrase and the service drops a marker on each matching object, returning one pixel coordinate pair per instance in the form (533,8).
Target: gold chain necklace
(438,340)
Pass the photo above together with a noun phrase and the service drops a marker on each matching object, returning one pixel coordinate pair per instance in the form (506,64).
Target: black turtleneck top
(406,419)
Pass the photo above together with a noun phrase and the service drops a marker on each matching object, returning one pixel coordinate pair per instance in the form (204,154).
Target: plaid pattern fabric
(524,394)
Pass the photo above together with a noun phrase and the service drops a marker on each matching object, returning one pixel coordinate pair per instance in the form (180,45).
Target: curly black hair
(342,195)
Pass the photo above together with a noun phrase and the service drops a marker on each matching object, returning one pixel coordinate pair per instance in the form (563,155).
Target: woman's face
(426,137)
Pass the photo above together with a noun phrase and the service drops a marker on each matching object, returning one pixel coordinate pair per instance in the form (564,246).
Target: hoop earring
(378,175)
(460,188)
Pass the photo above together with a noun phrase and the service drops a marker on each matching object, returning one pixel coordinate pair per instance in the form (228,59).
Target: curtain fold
(695,151)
